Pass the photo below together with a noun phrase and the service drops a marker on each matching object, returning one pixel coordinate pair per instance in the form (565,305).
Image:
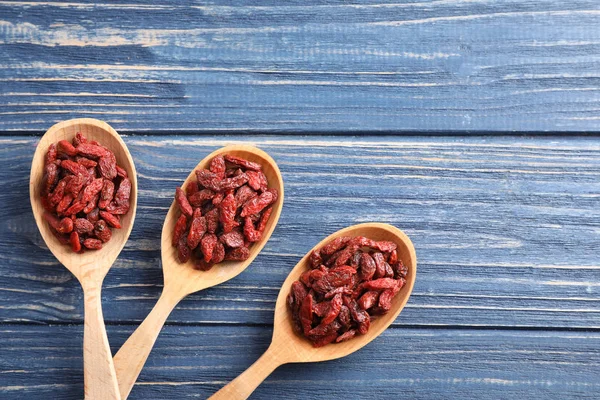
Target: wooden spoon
(288,347)
(182,279)
(91,267)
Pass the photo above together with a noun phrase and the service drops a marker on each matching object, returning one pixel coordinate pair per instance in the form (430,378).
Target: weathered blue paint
(43,362)
(295,67)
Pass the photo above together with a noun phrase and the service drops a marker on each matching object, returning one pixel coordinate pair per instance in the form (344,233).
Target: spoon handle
(100,380)
(132,356)
(243,386)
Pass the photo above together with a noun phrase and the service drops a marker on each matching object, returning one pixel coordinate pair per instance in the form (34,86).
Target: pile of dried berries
(84,191)
(345,286)
(223,213)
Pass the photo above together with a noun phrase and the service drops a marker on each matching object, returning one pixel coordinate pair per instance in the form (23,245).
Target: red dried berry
(227,213)
(183,251)
(78,139)
(238,254)
(179,230)
(212,220)
(102,231)
(183,203)
(198,198)
(93,215)
(111,219)
(50,157)
(91,150)
(82,226)
(74,240)
(197,229)
(66,225)
(232,239)
(218,253)
(257,204)
(67,148)
(207,245)
(217,167)
(106,195)
(121,173)
(107,166)
(243,163)
(92,244)
(123,193)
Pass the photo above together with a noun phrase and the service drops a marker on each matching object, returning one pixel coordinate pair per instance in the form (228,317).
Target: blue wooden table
(471,125)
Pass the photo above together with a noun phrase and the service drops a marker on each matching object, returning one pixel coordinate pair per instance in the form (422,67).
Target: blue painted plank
(194,362)
(302,67)
(506,230)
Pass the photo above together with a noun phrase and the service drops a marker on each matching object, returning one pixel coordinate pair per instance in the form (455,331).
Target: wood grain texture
(507,230)
(193,362)
(432,65)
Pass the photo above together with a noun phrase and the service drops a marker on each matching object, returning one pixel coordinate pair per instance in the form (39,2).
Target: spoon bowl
(185,276)
(91,267)
(289,347)
(182,279)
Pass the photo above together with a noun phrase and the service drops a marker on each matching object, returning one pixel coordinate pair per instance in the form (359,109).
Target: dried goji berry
(227,213)
(183,251)
(66,225)
(368,299)
(106,195)
(197,229)
(232,239)
(335,245)
(233,182)
(218,253)
(334,309)
(217,167)
(306,314)
(208,180)
(92,244)
(50,155)
(238,254)
(52,221)
(65,147)
(199,197)
(380,268)
(243,163)
(183,203)
(74,240)
(107,166)
(251,234)
(102,231)
(111,219)
(212,220)
(86,162)
(79,138)
(243,194)
(124,192)
(82,225)
(207,245)
(257,204)
(91,150)
(121,172)
(64,203)
(315,259)
(179,230)
(50,178)
(93,215)
(380,284)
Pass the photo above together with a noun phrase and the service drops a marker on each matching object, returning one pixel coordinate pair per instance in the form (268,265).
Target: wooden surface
(345,96)
(506,303)
(298,66)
